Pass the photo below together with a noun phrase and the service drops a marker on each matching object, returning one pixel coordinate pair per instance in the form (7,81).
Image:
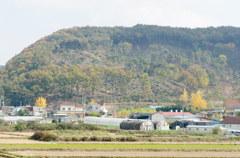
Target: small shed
(141,125)
(161,125)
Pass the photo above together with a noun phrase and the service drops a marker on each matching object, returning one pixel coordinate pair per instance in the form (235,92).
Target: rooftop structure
(231,120)
(176,113)
(232,104)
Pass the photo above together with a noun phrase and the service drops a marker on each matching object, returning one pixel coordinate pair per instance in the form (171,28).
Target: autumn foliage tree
(41,102)
(184,96)
(200,75)
(197,101)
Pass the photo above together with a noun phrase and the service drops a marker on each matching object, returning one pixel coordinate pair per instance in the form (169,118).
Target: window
(63,109)
(189,128)
(197,129)
(69,109)
(96,107)
(205,129)
(223,125)
(230,125)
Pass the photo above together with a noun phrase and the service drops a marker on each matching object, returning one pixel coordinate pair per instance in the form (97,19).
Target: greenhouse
(141,125)
(161,125)
(104,121)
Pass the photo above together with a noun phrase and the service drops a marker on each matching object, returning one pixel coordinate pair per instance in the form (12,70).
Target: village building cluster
(66,112)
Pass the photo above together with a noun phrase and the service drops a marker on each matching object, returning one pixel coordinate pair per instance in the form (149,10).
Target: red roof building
(79,106)
(231,104)
(175,113)
(231,123)
(231,120)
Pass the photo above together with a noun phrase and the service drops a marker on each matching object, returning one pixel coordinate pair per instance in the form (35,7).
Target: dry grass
(21,138)
(127,154)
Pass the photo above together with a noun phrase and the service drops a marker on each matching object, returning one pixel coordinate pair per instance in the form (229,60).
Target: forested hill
(126,63)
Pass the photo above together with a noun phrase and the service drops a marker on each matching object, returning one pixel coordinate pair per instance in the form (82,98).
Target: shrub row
(103,139)
(81,132)
(154,132)
(44,136)
(61,126)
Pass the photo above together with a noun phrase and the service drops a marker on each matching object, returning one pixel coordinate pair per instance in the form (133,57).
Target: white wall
(231,126)
(72,108)
(158,117)
(94,108)
(198,130)
(78,109)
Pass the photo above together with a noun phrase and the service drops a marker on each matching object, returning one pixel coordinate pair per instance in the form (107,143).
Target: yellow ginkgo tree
(197,101)
(41,102)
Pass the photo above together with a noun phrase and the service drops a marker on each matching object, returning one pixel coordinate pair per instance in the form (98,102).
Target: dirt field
(128,154)
(21,138)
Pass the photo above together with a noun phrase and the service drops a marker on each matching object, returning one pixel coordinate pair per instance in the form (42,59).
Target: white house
(8,110)
(37,111)
(179,116)
(63,109)
(231,123)
(96,107)
(64,106)
(79,107)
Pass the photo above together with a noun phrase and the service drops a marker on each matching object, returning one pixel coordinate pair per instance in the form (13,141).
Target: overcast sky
(22,22)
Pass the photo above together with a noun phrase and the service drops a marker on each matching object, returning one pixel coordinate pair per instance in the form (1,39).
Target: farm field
(126,154)
(21,146)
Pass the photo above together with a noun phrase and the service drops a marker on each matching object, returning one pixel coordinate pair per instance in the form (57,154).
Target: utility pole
(3,99)
(153,97)
(183,115)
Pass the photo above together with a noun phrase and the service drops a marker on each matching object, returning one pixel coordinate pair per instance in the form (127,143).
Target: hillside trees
(221,60)
(114,59)
(200,75)
(93,79)
(184,96)
(145,85)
